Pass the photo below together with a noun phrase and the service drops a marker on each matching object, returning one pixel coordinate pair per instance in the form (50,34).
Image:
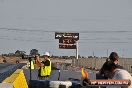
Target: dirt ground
(11,59)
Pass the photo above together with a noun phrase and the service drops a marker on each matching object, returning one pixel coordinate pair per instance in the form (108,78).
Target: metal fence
(98,62)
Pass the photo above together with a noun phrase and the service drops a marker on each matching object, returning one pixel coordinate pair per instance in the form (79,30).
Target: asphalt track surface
(7,69)
(64,75)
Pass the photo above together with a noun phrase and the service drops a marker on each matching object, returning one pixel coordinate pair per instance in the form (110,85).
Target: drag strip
(64,75)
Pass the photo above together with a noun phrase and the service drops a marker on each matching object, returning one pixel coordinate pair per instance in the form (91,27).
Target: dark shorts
(43,77)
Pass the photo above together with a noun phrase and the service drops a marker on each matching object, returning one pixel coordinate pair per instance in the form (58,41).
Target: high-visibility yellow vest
(45,70)
(32,65)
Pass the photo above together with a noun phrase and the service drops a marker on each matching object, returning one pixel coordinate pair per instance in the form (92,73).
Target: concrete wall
(61,61)
(17,79)
(98,62)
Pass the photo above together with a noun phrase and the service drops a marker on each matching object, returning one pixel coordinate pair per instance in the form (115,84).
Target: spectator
(112,71)
(115,59)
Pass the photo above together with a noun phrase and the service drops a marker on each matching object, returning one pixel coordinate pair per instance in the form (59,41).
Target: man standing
(32,64)
(44,66)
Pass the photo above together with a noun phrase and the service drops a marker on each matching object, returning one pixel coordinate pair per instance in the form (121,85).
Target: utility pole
(77,52)
(93,53)
(123,58)
(107,53)
(94,59)
(107,58)
(123,53)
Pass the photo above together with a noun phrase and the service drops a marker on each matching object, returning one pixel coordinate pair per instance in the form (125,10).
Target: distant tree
(64,57)
(11,54)
(4,55)
(90,56)
(20,53)
(34,52)
(72,56)
(83,57)
(52,56)
(79,56)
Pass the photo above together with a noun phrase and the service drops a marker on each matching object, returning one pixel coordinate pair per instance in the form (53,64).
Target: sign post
(77,63)
(77,50)
(68,41)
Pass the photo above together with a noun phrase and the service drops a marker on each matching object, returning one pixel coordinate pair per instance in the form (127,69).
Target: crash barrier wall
(98,62)
(17,79)
(7,69)
(6,85)
(53,84)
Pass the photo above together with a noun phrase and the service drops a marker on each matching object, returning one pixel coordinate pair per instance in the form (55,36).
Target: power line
(24,30)
(41,30)
(83,40)
(29,40)
(41,41)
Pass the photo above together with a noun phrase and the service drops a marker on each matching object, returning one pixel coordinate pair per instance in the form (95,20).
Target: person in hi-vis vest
(32,65)
(44,66)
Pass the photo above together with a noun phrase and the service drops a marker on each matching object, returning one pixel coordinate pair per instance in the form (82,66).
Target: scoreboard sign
(66,35)
(67,46)
(67,40)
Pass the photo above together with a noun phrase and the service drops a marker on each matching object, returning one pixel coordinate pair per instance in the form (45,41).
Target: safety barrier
(17,79)
(7,69)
